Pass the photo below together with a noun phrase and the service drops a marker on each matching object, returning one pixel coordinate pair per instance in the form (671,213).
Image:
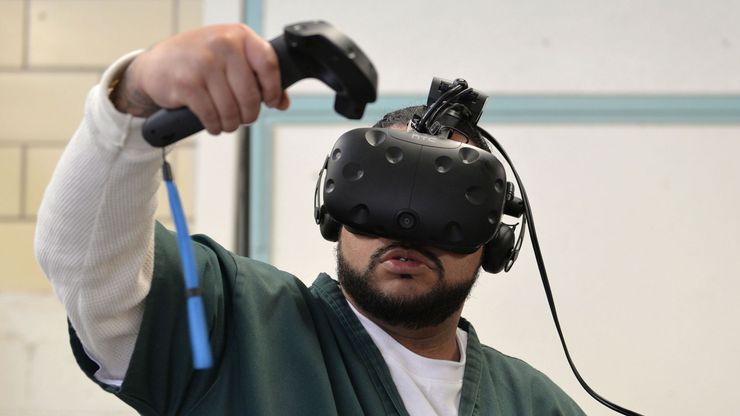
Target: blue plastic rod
(199,343)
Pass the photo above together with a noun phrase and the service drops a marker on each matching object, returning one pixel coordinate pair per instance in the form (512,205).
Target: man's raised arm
(94,237)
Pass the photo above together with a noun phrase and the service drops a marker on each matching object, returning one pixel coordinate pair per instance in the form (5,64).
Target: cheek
(356,250)
(462,267)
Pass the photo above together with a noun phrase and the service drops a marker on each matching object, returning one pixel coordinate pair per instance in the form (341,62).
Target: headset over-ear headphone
(423,188)
(329,227)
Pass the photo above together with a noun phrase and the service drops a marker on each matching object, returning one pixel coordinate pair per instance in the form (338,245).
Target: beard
(411,312)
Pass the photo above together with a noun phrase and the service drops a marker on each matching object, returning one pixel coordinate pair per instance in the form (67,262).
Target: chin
(404,286)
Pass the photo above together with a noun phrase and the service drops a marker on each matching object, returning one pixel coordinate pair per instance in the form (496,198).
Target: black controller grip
(290,68)
(168,126)
(305,50)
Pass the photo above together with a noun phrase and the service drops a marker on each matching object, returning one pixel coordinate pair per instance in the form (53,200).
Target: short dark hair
(404,115)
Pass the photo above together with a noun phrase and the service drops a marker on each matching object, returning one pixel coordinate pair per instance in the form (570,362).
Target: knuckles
(229,40)
(182,68)
(184,83)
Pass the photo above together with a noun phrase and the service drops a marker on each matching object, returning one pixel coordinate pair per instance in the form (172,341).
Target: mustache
(379,253)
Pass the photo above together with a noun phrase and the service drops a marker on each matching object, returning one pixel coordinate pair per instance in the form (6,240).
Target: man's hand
(222,73)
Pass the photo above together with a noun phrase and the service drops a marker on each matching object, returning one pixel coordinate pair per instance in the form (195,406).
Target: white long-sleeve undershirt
(95,230)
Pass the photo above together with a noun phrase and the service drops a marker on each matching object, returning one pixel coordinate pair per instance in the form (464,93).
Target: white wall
(636,221)
(627,46)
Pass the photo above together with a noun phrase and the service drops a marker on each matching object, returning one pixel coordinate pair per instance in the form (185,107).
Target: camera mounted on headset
(418,186)
(451,106)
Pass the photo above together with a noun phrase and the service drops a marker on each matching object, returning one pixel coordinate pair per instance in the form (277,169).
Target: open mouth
(407,264)
(407,258)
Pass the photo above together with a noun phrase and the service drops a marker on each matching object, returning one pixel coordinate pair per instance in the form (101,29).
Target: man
(387,340)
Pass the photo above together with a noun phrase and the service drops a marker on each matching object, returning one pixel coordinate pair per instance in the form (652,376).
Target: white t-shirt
(427,386)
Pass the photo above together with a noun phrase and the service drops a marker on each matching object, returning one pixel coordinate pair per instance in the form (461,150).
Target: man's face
(414,287)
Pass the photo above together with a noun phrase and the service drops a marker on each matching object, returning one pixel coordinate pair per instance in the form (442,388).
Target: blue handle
(198,329)
(199,334)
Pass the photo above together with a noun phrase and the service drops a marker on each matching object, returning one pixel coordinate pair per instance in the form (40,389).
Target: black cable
(517,246)
(457,89)
(546,282)
(242,192)
(448,102)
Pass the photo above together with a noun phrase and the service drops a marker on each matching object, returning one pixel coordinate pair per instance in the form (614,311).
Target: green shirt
(281,348)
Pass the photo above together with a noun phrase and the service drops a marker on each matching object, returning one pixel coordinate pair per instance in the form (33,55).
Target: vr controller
(305,50)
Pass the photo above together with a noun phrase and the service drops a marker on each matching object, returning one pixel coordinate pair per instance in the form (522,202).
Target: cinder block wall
(51,53)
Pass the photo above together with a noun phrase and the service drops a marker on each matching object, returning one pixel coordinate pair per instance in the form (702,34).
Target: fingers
(261,57)
(222,73)
(200,103)
(284,102)
(245,87)
(242,73)
(230,113)
(250,76)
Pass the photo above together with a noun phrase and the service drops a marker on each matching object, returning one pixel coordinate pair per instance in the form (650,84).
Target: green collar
(328,291)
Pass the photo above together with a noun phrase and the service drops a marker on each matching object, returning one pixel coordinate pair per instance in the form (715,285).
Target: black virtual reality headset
(421,188)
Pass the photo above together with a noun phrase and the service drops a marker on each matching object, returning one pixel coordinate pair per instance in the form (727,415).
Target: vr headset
(421,187)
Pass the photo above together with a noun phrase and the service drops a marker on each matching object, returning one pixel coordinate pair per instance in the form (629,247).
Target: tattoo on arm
(128,98)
